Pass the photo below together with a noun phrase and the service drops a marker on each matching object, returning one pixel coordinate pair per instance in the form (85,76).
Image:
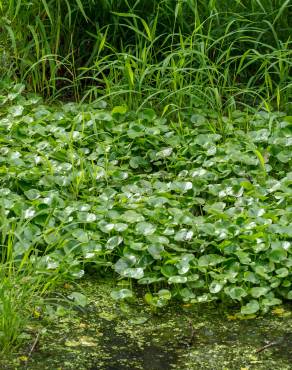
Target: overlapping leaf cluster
(204,214)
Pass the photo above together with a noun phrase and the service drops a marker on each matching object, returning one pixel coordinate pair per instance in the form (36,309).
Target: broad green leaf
(177,279)
(278,255)
(121,109)
(210,260)
(164,293)
(271,302)
(250,308)
(124,263)
(184,235)
(168,270)
(282,272)
(81,235)
(134,273)
(156,251)
(145,228)
(16,110)
(119,294)
(113,242)
(32,194)
(215,287)
(257,292)
(78,298)
(166,152)
(236,293)
(132,217)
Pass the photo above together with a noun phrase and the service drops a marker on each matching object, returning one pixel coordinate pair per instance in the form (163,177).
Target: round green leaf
(121,294)
(257,292)
(250,308)
(156,251)
(114,242)
(215,287)
(177,279)
(278,255)
(145,228)
(164,293)
(78,298)
(236,293)
(134,273)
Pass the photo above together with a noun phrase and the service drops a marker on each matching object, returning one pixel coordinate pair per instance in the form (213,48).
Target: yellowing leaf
(23,358)
(278,311)
(36,314)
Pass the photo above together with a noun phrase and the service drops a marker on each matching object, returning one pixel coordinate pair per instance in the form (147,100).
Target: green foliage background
(137,50)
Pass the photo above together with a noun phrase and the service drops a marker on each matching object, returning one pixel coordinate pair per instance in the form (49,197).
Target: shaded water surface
(110,336)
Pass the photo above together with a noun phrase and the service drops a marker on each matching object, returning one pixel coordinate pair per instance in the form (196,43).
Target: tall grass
(24,280)
(221,71)
(187,53)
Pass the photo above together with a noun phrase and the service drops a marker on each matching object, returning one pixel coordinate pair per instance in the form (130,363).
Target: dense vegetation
(171,168)
(219,54)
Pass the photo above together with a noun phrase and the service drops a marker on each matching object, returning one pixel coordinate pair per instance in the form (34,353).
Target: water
(108,336)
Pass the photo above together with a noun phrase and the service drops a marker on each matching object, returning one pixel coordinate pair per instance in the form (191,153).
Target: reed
(176,52)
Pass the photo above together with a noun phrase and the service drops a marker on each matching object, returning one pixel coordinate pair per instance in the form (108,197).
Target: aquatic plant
(198,208)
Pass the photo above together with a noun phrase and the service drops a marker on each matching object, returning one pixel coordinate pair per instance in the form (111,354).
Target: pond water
(111,336)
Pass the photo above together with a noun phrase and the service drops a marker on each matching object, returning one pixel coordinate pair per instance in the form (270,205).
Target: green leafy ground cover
(197,206)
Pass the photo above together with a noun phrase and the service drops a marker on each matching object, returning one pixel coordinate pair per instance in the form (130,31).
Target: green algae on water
(108,336)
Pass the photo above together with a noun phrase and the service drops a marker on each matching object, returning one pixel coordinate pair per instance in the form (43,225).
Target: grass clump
(20,295)
(29,284)
(199,208)
(186,53)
